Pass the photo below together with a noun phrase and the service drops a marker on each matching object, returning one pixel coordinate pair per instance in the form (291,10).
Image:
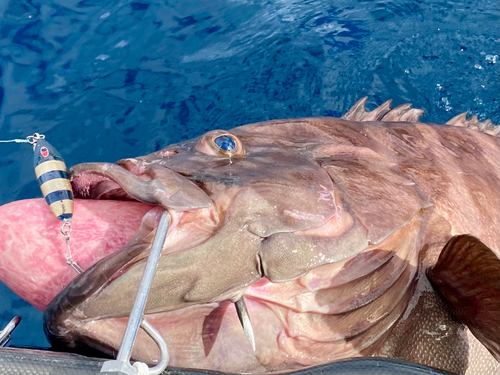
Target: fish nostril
(168,153)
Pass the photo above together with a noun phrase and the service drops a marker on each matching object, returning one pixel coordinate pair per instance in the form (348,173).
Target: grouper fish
(368,235)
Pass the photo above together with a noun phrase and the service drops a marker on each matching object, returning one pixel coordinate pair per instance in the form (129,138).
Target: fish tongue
(32,249)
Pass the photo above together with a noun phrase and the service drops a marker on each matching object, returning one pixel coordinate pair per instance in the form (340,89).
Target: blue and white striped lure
(52,177)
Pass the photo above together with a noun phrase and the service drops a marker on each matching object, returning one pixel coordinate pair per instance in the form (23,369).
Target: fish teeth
(242,311)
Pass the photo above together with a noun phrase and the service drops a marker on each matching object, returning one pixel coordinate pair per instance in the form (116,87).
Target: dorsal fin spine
(404,113)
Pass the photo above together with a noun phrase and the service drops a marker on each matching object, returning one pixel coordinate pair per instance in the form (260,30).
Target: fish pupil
(225,143)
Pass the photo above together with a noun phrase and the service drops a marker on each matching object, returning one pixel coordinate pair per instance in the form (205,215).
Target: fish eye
(225,143)
(220,143)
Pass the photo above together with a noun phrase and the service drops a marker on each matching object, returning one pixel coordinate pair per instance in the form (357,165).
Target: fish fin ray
(402,113)
(472,122)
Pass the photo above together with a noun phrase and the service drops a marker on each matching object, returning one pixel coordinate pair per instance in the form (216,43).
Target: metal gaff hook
(121,365)
(5,333)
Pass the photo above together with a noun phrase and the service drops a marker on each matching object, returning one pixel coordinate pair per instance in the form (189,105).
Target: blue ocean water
(104,80)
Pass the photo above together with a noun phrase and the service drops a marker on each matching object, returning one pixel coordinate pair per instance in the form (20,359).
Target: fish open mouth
(130,179)
(88,185)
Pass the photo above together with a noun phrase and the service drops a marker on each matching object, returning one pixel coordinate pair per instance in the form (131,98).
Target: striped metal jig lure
(52,176)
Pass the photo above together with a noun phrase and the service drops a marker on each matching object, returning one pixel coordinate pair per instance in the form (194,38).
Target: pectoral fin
(467,276)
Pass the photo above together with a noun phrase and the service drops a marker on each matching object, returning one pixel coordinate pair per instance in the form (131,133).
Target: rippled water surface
(104,80)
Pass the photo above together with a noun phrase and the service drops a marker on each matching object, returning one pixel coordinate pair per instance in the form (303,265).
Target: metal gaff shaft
(142,294)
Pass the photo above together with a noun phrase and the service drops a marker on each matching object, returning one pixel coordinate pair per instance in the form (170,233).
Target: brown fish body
(326,227)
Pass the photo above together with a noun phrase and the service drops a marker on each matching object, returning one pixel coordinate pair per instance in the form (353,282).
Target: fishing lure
(52,177)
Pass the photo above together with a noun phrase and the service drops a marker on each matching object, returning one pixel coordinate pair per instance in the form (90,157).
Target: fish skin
(377,176)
